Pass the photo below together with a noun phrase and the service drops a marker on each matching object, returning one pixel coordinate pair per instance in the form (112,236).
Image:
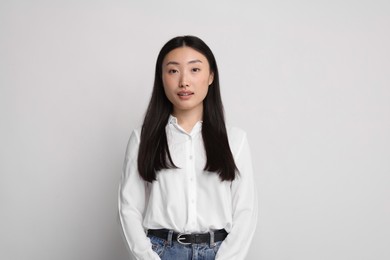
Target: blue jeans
(171,249)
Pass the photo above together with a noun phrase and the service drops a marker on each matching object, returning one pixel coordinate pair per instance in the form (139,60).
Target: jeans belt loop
(170,235)
(212,242)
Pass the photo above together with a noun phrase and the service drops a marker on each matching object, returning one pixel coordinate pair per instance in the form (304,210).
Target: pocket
(158,245)
(216,246)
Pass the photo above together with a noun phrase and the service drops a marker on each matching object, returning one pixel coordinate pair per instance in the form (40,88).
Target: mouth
(185,94)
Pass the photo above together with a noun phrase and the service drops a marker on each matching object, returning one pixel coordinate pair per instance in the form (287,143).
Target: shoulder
(133,143)
(136,134)
(237,137)
(235,132)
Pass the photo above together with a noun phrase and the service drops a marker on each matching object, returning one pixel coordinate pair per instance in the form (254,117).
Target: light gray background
(308,80)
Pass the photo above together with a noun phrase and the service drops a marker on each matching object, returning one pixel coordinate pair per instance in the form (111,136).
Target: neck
(188,119)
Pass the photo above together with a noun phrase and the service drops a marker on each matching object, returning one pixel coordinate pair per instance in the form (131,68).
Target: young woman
(187,189)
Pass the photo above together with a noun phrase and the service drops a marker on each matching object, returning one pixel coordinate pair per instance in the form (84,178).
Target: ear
(211,78)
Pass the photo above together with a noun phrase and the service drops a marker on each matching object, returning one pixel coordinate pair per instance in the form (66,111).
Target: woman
(187,189)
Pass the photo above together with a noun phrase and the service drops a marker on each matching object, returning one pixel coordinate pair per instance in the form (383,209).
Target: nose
(183,81)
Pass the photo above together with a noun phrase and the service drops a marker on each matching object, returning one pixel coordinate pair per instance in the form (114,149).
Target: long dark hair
(153,154)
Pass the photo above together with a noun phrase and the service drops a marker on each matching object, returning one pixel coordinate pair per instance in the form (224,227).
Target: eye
(172,71)
(195,69)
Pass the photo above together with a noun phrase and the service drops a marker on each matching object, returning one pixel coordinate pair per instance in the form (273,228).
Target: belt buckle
(180,239)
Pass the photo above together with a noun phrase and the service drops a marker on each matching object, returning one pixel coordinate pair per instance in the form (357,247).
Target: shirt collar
(197,128)
(172,119)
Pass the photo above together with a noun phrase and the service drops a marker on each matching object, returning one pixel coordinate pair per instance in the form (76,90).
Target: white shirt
(189,199)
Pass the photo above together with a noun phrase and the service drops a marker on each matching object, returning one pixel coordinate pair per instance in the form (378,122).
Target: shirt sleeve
(244,208)
(131,203)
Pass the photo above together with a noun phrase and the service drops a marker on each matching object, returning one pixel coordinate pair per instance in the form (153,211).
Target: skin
(186,78)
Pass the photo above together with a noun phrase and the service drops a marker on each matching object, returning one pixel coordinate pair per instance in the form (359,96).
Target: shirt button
(190,157)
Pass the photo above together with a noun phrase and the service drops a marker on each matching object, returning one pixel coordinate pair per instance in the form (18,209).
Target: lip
(185,94)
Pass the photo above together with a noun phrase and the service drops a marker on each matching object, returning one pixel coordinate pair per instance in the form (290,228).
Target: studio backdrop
(307,80)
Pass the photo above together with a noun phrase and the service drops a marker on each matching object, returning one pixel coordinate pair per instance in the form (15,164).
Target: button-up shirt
(189,199)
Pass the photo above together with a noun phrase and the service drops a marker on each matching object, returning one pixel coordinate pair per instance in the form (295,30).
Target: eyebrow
(177,63)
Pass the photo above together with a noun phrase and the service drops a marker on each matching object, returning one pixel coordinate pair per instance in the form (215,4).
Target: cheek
(169,89)
(169,94)
(169,82)
(204,90)
(207,79)
(205,84)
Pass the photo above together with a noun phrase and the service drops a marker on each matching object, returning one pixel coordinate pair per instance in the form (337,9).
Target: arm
(244,208)
(131,199)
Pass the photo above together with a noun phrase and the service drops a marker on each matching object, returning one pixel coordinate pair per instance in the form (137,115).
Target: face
(186,78)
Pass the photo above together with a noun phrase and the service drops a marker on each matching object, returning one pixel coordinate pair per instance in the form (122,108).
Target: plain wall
(308,80)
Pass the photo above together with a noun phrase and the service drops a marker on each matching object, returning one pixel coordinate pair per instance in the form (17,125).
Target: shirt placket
(192,213)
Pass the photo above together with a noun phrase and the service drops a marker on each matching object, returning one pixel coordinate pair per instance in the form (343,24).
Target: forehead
(184,55)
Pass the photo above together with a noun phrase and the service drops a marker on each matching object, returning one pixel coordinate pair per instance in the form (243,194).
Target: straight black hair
(153,153)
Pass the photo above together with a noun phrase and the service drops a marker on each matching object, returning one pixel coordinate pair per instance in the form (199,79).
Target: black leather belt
(188,239)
